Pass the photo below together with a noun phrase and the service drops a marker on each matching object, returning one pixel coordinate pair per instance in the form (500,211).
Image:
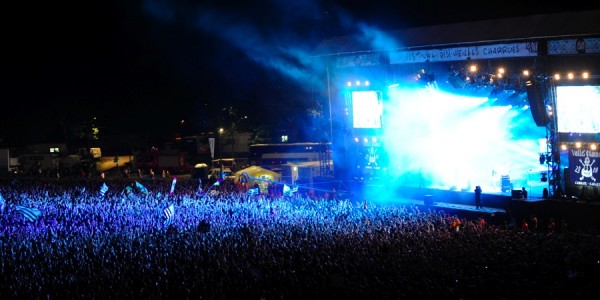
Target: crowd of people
(221,243)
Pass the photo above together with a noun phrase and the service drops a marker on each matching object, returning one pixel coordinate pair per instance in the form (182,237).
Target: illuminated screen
(366,110)
(456,141)
(578,109)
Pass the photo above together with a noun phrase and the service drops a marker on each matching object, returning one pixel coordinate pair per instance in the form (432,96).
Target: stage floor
(501,207)
(438,205)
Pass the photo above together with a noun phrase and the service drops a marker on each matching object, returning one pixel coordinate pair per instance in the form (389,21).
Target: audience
(225,244)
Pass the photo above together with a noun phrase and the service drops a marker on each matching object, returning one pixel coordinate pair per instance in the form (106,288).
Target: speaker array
(536,103)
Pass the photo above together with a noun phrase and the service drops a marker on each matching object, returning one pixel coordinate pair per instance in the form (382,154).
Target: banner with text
(583,167)
(462,53)
(574,46)
(361,60)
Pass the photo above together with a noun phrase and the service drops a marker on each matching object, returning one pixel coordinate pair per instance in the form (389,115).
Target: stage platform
(580,215)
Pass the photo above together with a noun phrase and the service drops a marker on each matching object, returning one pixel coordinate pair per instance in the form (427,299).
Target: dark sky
(142,66)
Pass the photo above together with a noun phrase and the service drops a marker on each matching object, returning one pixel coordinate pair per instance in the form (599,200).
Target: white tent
(256,174)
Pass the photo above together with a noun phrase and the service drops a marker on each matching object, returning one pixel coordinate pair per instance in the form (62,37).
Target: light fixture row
(580,145)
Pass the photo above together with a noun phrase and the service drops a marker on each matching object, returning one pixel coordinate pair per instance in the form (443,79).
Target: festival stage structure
(503,104)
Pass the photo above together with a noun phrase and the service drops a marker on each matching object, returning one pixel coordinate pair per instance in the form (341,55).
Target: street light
(221,130)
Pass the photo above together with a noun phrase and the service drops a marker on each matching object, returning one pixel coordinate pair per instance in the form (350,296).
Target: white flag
(103,189)
(254,191)
(30,214)
(170,214)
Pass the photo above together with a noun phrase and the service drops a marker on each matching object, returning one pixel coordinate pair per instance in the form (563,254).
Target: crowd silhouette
(225,244)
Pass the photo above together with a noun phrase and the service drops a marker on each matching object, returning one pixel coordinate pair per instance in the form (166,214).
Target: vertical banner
(211,142)
(583,167)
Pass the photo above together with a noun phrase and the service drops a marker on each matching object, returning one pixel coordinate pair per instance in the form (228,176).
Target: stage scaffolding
(553,172)
(325,160)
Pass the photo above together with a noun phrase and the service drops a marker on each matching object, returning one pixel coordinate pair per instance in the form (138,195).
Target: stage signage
(583,167)
(462,53)
(372,158)
(574,46)
(361,60)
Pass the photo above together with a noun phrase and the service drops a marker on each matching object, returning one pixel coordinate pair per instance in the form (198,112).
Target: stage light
(367,83)
(585,75)
(593,147)
(526,73)
(556,76)
(563,147)
(356,140)
(357,83)
(349,83)
(473,68)
(570,76)
(578,145)
(542,158)
(544,178)
(425,77)
(365,140)
(419,76)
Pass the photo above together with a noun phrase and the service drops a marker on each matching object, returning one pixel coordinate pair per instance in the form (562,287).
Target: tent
(256,174)
(200,171)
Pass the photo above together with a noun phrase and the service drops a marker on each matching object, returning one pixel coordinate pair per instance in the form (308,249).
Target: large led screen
(578,109)
(456,141)
(366,109)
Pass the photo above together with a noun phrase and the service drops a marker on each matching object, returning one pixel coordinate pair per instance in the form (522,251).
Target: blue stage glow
(436,139)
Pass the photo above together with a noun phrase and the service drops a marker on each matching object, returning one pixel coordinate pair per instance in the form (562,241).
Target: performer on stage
(478,197)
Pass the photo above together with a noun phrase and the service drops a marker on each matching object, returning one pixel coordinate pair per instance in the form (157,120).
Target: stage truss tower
(552,139)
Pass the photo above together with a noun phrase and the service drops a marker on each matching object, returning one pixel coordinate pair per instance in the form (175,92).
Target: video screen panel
(366,110)
(578,109)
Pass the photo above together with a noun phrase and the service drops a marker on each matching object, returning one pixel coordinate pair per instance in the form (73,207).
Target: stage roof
(529,28)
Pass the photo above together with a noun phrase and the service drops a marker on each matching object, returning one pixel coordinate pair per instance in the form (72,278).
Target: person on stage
(478,197)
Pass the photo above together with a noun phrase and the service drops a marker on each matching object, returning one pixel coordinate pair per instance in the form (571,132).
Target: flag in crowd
(173,185)
(170,214)
(31,214)
(289,192)
(142,188)
(103,189)
(2,203)
(252,192)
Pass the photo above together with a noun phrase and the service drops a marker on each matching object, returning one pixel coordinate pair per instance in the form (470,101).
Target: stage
(501,207)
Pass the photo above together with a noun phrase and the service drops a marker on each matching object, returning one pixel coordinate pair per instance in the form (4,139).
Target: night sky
(140,67)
